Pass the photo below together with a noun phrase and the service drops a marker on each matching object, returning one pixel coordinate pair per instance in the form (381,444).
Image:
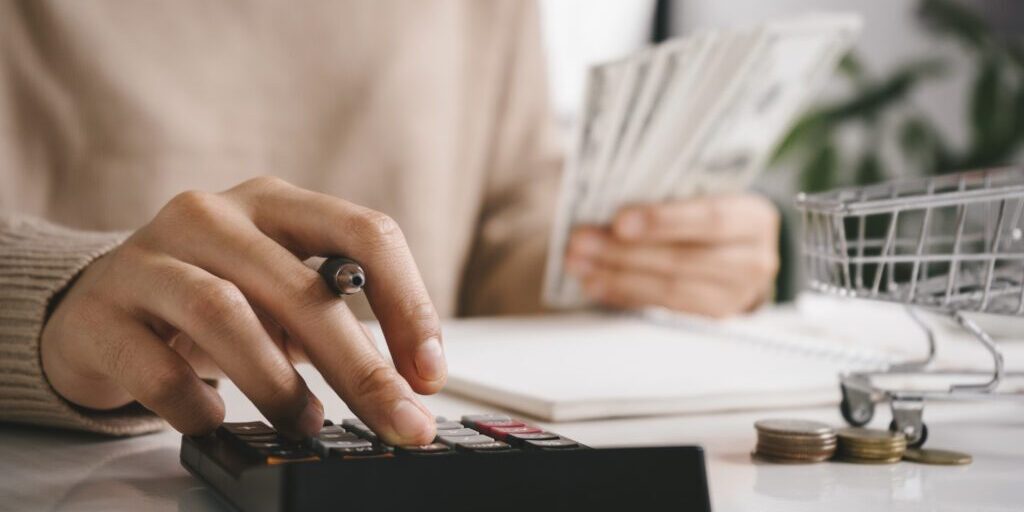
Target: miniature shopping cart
(951,244)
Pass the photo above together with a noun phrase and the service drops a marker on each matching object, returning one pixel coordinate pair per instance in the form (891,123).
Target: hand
(215,283)
(715,255)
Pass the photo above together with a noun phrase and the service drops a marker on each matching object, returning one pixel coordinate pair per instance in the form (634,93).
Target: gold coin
(796,450)
(857,460)
(869,452)
(939,457)
(785,460)
(793,427)
(782,452)
(866,436)
(796,440)
(872,450)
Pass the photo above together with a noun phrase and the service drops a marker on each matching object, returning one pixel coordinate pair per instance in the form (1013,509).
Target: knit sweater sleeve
(37,261)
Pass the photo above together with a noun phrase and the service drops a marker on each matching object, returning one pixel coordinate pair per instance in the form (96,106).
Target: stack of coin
(868,446)
(794,441)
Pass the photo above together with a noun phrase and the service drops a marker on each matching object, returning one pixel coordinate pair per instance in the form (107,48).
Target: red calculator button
(503,432)
(488,426)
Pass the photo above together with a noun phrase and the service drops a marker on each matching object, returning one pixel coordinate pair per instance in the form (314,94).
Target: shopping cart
(951,244)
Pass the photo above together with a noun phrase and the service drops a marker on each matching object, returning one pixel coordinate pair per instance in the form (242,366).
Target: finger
(310,223)
(708,219)
(632,290)
(217,317)
(369,384)
(159,379)
(725,263)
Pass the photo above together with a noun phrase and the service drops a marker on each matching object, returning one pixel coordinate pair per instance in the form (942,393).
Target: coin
(794,427)
(796,441)
(874,437)
(934,456)
(783,452)
(856,460)
(785,460)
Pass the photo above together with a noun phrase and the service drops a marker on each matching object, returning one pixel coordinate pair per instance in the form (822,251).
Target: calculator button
(551,444)
(459,432)
(358,443)
(460,440)
(258,438)
(483,447)
(503,432)
(424,449)
(248,428)
(332,429)
(281,456)
(473,419)
(338,436)
(490,425)
(519,439)
(270,445)
(344,451)
(449,425)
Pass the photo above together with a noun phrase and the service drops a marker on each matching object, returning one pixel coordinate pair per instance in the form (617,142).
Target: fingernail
(409,421)
(430,363)
(311,419)
(631,224)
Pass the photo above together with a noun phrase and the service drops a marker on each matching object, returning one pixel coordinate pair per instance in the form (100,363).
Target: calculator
(481,462)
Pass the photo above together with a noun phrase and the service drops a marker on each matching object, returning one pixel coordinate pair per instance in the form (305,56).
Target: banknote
(694,115)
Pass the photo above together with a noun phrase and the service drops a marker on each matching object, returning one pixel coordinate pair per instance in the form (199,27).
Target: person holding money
(157,203)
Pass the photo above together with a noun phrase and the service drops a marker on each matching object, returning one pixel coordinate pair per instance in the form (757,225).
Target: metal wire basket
(951,244)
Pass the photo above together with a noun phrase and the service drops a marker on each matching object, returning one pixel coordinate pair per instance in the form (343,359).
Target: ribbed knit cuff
(37,261)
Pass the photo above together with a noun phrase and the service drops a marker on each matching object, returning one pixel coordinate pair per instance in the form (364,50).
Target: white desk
(49,470)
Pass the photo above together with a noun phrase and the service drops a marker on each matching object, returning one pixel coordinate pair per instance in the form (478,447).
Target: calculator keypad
(353,439)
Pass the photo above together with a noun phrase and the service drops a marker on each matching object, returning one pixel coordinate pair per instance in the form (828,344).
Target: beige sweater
(433,112)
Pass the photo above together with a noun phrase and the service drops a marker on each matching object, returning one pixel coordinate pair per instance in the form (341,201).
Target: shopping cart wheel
(915,438)
(856,407)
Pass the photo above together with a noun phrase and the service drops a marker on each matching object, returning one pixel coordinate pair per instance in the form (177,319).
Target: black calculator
(482,462)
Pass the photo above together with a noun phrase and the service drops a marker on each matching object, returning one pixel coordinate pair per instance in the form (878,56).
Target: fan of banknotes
(694,115)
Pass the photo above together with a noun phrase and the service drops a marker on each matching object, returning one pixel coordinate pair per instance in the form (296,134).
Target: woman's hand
(215,283)
(714,255)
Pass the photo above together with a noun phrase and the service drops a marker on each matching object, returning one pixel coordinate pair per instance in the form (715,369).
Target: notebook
(591,365)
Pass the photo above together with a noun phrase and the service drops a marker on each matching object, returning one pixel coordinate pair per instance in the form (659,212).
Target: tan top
(434,112)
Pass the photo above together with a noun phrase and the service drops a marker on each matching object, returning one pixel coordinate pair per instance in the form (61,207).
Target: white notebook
(589,366)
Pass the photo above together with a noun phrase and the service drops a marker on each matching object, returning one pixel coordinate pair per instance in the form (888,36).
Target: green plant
(879,109)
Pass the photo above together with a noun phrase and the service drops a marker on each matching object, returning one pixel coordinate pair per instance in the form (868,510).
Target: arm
(37,261)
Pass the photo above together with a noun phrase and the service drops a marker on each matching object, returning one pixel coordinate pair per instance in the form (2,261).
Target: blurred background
(933,86)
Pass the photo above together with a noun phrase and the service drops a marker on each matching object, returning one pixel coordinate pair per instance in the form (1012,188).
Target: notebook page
(582,366)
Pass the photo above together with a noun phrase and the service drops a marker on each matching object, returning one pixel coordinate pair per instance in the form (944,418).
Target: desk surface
(48,470)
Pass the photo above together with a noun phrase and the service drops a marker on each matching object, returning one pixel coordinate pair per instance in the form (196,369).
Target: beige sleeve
(506,265)
(37,261)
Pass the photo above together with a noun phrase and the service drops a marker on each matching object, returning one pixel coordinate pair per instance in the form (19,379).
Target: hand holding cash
(653,208)
(712,255)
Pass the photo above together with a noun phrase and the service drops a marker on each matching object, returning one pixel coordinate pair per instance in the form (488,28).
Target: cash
(694,115)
